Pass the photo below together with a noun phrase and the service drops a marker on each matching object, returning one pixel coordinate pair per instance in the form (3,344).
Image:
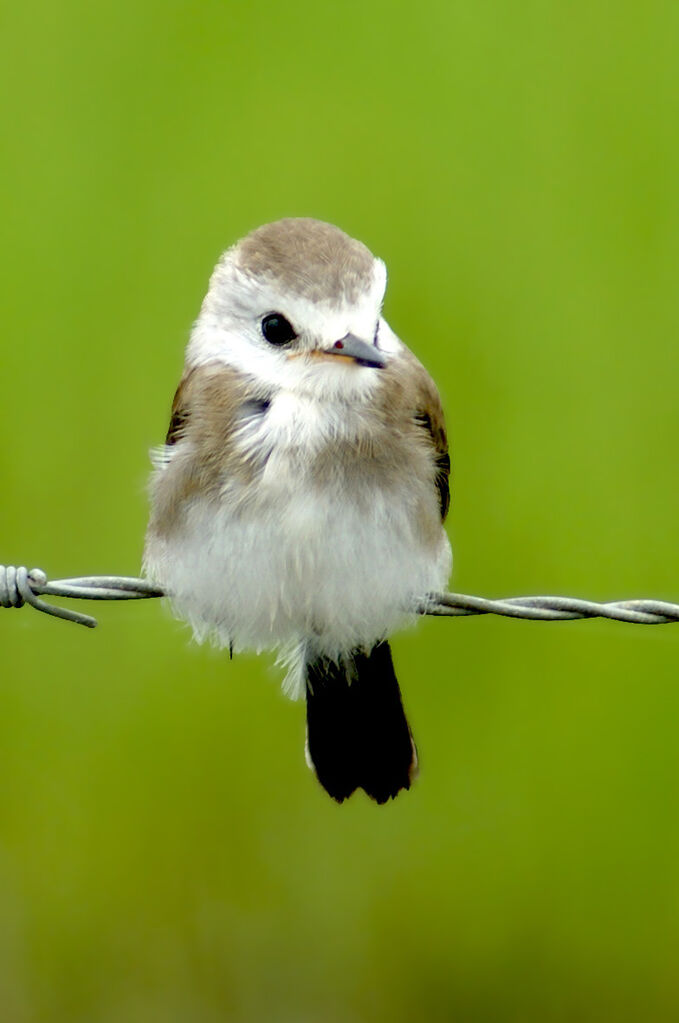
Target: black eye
(277,330)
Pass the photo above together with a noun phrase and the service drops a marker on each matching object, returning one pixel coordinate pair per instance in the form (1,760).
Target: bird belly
(327,543)
(300,561)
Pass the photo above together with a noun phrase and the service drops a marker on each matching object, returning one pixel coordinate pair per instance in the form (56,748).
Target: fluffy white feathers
(302,537)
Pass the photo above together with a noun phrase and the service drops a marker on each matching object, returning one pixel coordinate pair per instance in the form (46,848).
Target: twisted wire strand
(19,586)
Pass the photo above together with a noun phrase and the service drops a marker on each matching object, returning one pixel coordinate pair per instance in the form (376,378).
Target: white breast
(291,558)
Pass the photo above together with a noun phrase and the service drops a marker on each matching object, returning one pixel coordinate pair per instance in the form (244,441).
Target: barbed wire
(19,586)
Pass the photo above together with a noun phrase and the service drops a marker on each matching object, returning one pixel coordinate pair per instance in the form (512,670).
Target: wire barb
(18,586)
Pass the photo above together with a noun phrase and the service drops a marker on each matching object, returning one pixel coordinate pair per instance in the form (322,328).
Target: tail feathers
(357,733)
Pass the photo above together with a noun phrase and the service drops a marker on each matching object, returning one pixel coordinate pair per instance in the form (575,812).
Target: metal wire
(18,586)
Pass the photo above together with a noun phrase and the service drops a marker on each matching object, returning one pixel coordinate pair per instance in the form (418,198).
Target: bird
(297,504)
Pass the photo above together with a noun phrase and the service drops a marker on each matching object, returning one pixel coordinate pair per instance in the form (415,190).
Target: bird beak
(351,347)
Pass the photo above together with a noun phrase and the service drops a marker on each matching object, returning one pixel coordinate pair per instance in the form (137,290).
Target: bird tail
(357,732)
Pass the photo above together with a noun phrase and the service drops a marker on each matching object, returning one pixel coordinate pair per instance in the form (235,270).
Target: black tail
(357,733)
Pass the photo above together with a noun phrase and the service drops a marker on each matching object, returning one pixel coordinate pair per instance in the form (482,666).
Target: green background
(164,853)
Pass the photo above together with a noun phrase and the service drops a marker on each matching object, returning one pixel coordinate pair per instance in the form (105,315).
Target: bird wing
(428,415)
(179,416)
(200,450)
(436,430)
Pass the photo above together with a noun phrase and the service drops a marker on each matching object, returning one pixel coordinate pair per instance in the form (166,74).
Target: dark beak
(351,347)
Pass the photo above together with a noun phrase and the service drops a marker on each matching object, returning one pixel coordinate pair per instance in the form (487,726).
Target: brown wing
(435,427)
(429,416)
(179,415)
(208,405)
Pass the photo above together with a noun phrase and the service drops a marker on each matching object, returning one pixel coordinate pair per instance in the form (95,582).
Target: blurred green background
(164,853)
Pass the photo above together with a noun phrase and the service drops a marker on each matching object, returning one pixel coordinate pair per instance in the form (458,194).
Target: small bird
(298,502)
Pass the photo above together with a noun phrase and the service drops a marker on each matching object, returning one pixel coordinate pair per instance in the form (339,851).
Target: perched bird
(298,502)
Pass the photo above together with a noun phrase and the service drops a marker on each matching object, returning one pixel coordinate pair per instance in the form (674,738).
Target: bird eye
(277,330)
